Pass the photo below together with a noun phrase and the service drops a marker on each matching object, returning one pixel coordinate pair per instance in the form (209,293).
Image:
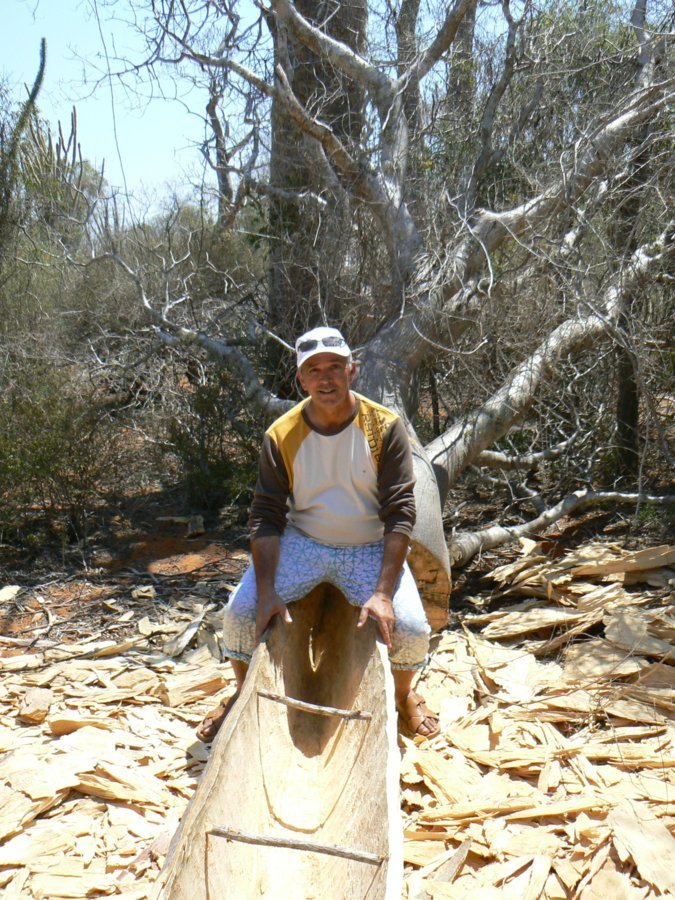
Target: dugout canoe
(300,797)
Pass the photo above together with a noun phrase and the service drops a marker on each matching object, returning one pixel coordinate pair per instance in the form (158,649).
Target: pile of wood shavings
(92,791)
(552,777)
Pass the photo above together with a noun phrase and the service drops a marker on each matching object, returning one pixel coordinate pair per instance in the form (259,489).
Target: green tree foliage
(82,371)
(214,444)
(57,449)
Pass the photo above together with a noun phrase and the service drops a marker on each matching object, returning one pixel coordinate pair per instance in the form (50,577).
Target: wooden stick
(315,708)
(29,642)
(232,834)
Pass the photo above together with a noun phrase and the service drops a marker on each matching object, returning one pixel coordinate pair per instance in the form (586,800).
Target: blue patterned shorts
(304,563)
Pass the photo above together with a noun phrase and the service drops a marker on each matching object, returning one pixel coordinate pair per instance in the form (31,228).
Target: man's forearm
(395,552)
(265,553)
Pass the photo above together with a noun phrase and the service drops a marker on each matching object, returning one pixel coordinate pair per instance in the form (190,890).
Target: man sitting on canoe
(333,503)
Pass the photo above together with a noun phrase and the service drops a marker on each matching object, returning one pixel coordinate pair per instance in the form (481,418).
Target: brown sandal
(414,713)
(211,723)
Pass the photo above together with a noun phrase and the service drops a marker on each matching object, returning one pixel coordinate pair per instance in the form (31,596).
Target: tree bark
(307,240)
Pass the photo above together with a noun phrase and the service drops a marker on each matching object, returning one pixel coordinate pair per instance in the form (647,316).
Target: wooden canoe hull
(296,804)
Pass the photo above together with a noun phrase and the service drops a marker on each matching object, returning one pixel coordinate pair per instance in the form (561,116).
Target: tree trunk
(628,396)
(307,240)
(627,409)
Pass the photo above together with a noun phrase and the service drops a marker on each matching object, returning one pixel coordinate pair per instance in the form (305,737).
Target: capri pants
(304,563)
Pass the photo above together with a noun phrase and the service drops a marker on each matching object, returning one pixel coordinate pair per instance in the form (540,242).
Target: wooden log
(316,796)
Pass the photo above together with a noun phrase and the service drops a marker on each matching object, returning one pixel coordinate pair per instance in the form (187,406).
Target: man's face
(327,377)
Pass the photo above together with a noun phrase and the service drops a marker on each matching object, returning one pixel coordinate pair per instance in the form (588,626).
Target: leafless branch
(172,334)
(443,40)
(465,545)
(463,442)
(381,88)
(495,459)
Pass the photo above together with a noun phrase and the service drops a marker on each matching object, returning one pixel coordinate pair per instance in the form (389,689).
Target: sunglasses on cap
(329,341)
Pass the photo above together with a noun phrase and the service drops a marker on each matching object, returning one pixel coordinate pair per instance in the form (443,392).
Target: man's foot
(211,723)
(416,718)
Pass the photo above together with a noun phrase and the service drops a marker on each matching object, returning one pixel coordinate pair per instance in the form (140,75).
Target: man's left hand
(380,608)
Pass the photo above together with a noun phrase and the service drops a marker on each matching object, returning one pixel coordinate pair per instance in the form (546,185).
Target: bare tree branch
(589,159)
(172,333)
(443,40)
(495,459)
(381,88)
(464,441)
(447,294)
(465,545)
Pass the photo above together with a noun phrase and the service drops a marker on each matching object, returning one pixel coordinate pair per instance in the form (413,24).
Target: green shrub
(57,449)
(215,447)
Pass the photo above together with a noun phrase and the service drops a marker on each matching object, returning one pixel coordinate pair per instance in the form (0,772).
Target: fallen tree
(460,222)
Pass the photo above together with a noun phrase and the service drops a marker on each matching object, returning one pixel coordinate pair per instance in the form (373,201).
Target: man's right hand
(265,551)
(267,609)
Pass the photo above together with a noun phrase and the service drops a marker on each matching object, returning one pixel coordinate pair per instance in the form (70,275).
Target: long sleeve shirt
(346,488)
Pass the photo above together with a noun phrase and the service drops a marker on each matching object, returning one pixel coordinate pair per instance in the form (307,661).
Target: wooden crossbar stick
(315,708)
(232,834)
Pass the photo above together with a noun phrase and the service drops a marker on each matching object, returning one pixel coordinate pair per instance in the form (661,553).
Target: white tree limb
(490,229)
(465,545)
(381,88)
(446,297)
(377,191)
(495,459)
(465,441)
(443,40)
(172,333)
(400,232)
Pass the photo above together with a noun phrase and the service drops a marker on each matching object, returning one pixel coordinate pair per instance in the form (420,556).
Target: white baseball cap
(320,340)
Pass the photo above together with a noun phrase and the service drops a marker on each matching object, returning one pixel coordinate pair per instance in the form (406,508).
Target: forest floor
(553,775)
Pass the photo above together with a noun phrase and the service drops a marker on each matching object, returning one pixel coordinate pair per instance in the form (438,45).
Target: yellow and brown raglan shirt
(348,488)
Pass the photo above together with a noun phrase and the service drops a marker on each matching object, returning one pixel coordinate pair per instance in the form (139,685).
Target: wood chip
(62,724)
(599,659)
(35,706)
(649,843)
(650,558)
(629,630)
(8,593)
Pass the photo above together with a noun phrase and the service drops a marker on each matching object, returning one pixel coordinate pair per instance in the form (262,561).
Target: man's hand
(380,608)
(268,607)
(265,551)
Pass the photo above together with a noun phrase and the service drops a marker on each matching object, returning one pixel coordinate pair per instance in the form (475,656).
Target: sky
(146,146)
